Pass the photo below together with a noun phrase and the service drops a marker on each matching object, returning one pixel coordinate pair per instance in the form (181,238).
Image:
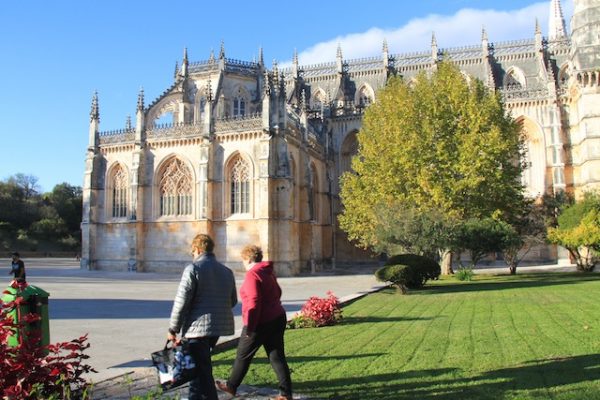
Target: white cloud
(461,29)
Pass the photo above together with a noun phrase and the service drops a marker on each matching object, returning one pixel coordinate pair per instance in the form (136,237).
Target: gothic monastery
(254,155)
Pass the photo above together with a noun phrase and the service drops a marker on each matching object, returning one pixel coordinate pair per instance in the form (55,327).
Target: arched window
(119,186)
(348,150)
(318,100)
(175,189)
(239,107)
(239,184)
(514,79)
(365,96)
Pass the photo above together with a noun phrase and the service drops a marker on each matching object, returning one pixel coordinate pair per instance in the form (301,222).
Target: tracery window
(364,97)
(119,192)
(239,181)
(175,189)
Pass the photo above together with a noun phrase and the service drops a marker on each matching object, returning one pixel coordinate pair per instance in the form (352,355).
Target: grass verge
(533,336)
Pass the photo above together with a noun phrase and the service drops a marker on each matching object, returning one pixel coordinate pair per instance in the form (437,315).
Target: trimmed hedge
(408,271)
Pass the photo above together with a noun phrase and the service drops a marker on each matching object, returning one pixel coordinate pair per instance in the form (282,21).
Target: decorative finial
(261,59)
(176,73)
(211,58)
(339,51)
(433,39)
(128,123)
(303,100)
(385,46)
(538,30)
(295,58)
(140,101)
(95,112)
(185,57)
(275,75)
(222,51)
(267,85)
(484,35)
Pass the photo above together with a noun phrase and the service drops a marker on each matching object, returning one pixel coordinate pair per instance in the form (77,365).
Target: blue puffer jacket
(204,299)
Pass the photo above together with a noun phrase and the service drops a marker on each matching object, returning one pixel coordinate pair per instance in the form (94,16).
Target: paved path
(125,314)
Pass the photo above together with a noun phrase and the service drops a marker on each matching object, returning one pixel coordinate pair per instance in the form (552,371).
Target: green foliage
(579,231)
(480,237)
(408,271)
(441,144)
(32,221)
(464,274)
(408,230)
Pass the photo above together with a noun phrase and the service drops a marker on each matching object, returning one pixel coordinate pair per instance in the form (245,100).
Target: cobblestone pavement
(143,382)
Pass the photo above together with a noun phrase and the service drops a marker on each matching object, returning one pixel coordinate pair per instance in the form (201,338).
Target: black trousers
(203,386)
(269,335)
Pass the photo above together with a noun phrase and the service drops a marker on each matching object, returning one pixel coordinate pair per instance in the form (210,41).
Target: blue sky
(55,54)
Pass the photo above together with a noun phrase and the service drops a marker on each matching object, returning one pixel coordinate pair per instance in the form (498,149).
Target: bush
(32,371)
(408,271)
(465,274)
(317,312)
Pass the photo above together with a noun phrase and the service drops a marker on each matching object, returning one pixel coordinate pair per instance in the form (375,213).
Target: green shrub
(465,274)
(408,271)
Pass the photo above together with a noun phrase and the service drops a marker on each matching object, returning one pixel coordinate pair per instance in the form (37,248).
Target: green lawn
(499,337)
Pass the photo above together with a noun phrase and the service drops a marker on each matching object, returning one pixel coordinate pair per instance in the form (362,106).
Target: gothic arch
(534,174)
(117,191)
(174,187)
(564,74)
(238,187)
(168,105)
(365,95)
(348,149)
(514,78)
(318,99)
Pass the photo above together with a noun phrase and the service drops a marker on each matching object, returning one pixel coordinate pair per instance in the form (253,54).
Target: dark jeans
(203,387)
(269,335)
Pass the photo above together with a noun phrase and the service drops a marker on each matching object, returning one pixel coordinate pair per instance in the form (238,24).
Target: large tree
(440,143)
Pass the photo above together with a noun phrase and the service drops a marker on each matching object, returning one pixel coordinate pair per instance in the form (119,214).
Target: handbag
(175,365)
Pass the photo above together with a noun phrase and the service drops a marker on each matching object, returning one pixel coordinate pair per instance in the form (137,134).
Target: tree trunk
(513,269)
(447,263)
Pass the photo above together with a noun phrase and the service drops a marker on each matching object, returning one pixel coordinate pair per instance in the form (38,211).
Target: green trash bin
(35,301)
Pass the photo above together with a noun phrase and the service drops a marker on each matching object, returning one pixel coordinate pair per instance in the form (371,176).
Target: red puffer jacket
(260,295)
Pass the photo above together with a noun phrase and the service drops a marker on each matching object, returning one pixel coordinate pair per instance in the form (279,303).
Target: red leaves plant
(33,371)
(318,312)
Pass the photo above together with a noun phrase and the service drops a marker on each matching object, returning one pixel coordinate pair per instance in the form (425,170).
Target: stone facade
(254,155)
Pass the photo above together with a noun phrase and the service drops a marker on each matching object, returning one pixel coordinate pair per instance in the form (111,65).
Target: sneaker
(222,386)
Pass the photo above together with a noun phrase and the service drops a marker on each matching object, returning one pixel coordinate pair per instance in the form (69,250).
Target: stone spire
(434,47)
(95,111)
(556,24)
(538,36)
(385,54)
(176,73)
(128,123)
(222,51)
(485,42)
(339,59)
(295,64)
(94,124)
(261,59)
(140,101)
(275,76)
(184,63)
(211,58)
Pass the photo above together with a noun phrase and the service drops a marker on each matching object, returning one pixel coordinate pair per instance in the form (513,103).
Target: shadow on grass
(536,379)
(361,320)
(507,282)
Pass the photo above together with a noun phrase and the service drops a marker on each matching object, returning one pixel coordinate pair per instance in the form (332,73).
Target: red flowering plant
(318,312)
(30,370)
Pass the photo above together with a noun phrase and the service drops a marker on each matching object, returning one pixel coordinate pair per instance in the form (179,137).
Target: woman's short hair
(204,243)
(252,253)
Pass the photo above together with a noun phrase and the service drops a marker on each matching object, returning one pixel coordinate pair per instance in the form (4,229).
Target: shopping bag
(174,364)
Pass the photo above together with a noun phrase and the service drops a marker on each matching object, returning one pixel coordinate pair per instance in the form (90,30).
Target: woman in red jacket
(264,321)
